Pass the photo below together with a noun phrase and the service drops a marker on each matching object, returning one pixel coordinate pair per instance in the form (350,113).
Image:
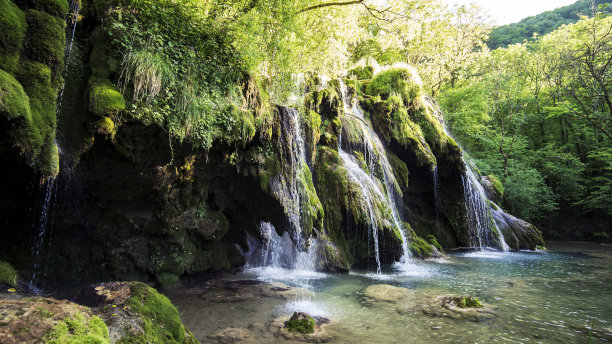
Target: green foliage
(468,302)
(304,325)
(8,274)
(104,98)
(46,38)
(77,329)
(160,319)
(12,33)
(182,73)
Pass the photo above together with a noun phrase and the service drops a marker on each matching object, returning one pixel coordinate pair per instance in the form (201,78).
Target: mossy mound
(12,33)
(8,274)
(58,8)
(46,320)
(361,72)
(402,81)
(301,322)
(104,98)
(46,38)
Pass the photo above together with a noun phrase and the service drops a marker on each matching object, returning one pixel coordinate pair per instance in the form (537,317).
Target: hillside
(541,24)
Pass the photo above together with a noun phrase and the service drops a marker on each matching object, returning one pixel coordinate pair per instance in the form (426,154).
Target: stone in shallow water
(230,335)
(447,306)
(319,335)
(386,293)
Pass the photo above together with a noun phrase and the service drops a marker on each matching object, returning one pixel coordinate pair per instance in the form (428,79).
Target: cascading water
(287,186)
(478,211)
(44,224)
(377,162)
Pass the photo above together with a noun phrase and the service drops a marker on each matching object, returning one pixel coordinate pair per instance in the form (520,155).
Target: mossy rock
(493,188)
(139,313)
(46,320)
(402,81)
(104,98)
(12,33)
(46,38)
(8,274)
(301,322)
(106,126)
(58,8)
(421,248)
(14,102)
(468,302)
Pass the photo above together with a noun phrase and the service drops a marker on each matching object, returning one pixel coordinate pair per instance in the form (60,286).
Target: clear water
(555,296)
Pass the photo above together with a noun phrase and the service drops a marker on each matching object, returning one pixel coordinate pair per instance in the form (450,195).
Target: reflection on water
(559,296)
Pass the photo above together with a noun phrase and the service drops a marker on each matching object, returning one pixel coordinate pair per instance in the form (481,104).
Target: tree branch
(328,4)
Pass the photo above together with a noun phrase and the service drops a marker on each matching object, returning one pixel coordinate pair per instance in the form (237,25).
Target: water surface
(562,295)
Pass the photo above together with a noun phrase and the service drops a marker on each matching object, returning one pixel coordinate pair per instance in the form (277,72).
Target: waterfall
(377,163)
(436,190)
(44,224)
(478,211)
(288,187)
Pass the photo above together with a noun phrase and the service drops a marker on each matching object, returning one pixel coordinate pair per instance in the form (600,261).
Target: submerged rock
(459,307)
(230,335)
(387,293)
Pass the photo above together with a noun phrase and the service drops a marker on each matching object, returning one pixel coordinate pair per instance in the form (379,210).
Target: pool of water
(563,295)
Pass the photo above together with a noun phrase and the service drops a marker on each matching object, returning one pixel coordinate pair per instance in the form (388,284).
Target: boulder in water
(518,234)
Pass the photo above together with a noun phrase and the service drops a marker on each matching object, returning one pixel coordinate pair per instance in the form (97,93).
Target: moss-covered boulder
(402,81)
(8,274)
(104,98)
(46,320)
(136,313)
(300,322)
(12,33)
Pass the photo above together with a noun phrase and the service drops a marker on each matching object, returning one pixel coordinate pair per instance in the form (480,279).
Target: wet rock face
(519,234)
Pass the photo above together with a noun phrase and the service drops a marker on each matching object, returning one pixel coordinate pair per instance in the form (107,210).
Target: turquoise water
(563,295)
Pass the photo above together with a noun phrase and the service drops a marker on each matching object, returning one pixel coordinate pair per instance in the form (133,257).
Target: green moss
(46,38)
(106,126)
(400,170)
(497,185)
(77,329)
(420,248)
(167,280)
(362,72)
(160,319)
(468,302)
(104,98)
(431,127)
(14,102)
(434,242)
(314,210)
(58,8)
(44,312)
(12,33)
(36,79)
(401,81)
(540,248)
(301,323)
(8,274)
(272,167)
